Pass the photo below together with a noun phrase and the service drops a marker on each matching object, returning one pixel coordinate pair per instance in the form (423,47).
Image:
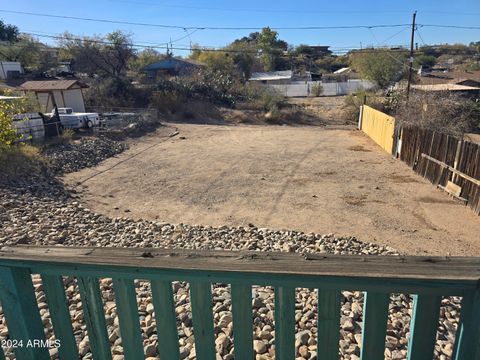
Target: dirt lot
(303,178)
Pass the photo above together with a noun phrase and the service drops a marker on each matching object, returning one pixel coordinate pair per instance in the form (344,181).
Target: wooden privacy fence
(446,161)
(450,163)
(427,278)
(379,126)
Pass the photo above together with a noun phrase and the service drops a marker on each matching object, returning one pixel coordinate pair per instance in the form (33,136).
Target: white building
(272,77)
(63,93)
(9,68)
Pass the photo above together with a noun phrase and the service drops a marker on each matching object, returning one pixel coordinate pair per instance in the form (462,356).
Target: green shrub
(263,98)
(317,89)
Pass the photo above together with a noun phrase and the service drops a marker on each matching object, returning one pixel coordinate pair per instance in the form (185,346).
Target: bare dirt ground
(303,178)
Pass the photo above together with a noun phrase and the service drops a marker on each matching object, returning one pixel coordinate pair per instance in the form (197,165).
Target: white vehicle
(76,120)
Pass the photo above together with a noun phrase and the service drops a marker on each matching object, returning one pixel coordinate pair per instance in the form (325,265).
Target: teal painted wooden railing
(427,278)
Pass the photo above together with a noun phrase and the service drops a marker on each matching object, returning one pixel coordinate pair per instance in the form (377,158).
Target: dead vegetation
(443,112)
(19,162)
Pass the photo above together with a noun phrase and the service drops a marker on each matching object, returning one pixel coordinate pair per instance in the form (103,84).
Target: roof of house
(445,87)
(48,85)
(271,75)
(342,70)
(173,63)
(441,77)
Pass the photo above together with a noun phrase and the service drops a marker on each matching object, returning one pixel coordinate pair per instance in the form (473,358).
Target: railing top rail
(461,269)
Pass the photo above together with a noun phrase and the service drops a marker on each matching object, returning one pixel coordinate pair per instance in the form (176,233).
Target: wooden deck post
(467,345)
(21,312)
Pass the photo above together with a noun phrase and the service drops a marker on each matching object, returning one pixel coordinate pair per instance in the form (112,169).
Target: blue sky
(250,13)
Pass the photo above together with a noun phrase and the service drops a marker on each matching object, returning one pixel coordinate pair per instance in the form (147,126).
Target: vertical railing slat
(328,323)
(375,315)
(94,317)
(62,323)
(242,321)
(20,308)
(202,317)
(423,326)
(284,323)
(468,333)
(129,319)
(162,298)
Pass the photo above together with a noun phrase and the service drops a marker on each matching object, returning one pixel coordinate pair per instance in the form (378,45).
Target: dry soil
(304,178)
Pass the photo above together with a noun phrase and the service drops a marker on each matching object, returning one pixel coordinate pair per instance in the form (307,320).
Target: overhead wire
(388,53)
(291,11)
(147,45)
(201,27)
(420,36)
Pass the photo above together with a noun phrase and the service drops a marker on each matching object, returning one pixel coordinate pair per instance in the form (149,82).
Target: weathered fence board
(129,319)
(375,316)
(242,321)
(379,127)
(328,335)
(94,317)
(284,323)
(423,332)
(20,307)
(441,158)
(162,297)
(58,306)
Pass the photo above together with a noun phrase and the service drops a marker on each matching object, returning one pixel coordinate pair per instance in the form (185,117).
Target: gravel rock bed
(29,217)
(82,153)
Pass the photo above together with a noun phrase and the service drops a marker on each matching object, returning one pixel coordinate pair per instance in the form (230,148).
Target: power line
(420,36)
(202,27)
(291,11)
(144,45)
(450,26)
(333,49)
(259,10)
(390,55)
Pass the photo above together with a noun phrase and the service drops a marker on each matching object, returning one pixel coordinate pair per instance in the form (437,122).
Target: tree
(25,50)
(331,63)
(424,60)
(215,60)
(244,56)
(271,48)
(144,58)
(8,109)
(381,66)
(8,32)
(107,56)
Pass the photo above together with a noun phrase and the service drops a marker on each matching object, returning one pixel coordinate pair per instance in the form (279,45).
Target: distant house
(470,90)
(343,71)
(468,82)
(63,93)
(468,78)
(10,69)
(173,66)
(272,77)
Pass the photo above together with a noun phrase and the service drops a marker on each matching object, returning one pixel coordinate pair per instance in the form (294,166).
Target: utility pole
(410,69)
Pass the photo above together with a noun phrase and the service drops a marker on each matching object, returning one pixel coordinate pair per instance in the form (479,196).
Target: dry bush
(20,161)
(439,111)
(354,101)
(259,97)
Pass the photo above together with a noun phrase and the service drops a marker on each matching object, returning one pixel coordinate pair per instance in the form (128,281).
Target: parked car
(76,120)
